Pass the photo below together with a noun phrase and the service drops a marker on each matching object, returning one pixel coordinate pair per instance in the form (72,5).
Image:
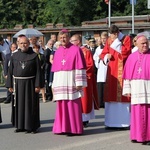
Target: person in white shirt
(101,68)
(4,47)
(135,48)
(34,41)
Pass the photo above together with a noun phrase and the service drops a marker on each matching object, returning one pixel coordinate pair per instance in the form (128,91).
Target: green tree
(70,12)
(28,12)
(141,8)
(121,8)
(8,14)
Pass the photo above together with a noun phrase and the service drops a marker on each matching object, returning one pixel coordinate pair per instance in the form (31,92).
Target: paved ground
(95,137)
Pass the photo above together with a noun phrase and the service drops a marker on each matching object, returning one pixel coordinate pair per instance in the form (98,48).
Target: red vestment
(113,87)
(90,96)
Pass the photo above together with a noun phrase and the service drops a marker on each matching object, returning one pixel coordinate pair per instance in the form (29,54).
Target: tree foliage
(69,12)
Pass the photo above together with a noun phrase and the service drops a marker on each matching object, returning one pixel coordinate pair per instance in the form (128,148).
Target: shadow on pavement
(6,126)
(99,116)
(99,131)
(47,121)
(2,99)
(45,129)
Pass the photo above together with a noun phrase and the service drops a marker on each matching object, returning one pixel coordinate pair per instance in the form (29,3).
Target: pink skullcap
(139,36)
(64,31)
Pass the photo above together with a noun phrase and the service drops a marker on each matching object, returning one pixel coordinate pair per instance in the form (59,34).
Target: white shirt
(101,68)
(5,49)
(134,49)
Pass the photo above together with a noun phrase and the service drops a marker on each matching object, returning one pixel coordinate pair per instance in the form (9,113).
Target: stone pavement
(95,137)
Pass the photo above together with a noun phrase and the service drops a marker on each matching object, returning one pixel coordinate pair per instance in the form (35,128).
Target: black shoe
(28,131)
(49,99)
(133,141)
(102,106)
(34,131)
(117,128)
(18,130)
(73,134)
(85,124)
(146,143)
(6,102)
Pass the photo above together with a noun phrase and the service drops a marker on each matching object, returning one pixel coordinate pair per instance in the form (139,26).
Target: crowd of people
(110,72)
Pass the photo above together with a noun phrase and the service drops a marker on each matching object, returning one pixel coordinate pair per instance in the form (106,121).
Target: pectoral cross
(63,62)
(139,70)
(23,64)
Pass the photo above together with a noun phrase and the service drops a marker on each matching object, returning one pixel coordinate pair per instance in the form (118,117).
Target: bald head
(24,44)
(18,38)
(142,44)
(50,43)
(76,39)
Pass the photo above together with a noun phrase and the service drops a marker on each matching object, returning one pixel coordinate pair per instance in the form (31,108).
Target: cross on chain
(139,70)
(63,62)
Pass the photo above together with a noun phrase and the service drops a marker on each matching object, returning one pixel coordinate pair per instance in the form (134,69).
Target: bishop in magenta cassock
(137,85)
(69,78)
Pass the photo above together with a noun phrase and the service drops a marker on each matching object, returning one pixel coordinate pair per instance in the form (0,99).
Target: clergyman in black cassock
(24,81)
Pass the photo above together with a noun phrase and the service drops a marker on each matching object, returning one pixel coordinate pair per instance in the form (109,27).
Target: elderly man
(24,81)
(137,85)
(47,53)
(89,99)
(34,41)
(69,79)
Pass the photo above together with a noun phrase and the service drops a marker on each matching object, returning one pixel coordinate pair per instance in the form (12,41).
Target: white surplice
(113,114)
(89,116)
(101,68)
